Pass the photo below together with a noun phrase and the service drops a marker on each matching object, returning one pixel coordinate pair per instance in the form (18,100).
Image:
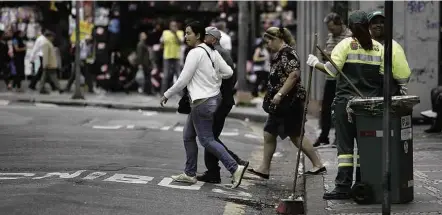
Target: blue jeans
(199,123)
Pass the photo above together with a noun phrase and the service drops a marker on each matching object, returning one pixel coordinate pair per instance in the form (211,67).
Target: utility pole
(77,94)
(253,22)
(386,143)
(243,41)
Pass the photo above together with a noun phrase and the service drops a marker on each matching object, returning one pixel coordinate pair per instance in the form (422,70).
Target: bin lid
(374,105)
(395,100)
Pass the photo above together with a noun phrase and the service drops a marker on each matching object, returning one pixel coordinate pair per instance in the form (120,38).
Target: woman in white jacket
(202,74)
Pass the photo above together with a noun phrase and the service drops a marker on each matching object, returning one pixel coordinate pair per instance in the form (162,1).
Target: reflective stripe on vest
(363,57)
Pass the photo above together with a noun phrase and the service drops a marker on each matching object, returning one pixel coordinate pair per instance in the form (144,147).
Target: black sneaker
(433,129)
(321,141)
(337,194)
(209,177)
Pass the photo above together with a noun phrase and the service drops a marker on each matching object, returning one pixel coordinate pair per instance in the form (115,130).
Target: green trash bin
(367,114)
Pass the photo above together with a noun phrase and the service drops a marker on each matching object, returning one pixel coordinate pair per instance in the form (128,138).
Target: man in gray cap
(212,175)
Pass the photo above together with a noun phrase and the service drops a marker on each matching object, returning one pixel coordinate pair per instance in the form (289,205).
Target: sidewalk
(427,179)
(133,101)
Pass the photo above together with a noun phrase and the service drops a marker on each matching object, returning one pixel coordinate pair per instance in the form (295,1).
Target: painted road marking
(179,128)
(229,134)
(130,126)
(13,176)
(130,179)
(165,128)
(252,136)
(107,126)
(277,154)
(234,209)
(149,113)
(166,182)
(4,102)
(45,105)
(232,193)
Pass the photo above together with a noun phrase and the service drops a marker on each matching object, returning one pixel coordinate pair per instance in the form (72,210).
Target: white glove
(312,60)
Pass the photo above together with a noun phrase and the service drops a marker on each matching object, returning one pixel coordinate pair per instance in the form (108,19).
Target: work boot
(434,129)
(321,141)
(338,194)
(210,177)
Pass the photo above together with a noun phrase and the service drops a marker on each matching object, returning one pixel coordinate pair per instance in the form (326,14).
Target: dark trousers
(171,67)
(211,160)
(20,72)
(37,77)
(346,135)
(262,78)
(326,109)
(84,69)
(436,105)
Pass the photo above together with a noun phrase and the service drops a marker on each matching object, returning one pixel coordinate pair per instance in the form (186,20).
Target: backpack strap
(208,55)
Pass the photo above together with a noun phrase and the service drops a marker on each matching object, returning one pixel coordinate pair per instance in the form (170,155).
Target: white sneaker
(184,178)
(237,176)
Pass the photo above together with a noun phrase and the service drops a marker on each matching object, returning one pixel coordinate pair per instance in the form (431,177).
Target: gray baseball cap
(214,32)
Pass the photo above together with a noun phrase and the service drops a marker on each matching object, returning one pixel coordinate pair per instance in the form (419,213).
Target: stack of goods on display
(25,19)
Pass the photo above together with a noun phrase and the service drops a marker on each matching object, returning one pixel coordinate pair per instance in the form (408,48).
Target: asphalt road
(63,160)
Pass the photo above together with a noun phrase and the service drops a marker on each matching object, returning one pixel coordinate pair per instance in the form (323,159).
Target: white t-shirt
(225,41)
(37,49)
(202,80)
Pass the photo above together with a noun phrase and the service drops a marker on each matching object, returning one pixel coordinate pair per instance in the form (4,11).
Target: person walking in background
(202,74)
(337,32)
(144,60)
(212,175)
(19,49)
(4,59)
(171,40)
(49,64)
(37,51)
(226,40)
(261,68)
(284,83)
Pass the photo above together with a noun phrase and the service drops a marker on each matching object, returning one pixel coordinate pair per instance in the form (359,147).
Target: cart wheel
(362,193)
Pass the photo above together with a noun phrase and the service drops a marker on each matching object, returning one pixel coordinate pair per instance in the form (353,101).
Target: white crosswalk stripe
(4,102)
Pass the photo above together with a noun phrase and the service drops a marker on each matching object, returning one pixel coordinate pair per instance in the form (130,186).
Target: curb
(314,189)
(171,109)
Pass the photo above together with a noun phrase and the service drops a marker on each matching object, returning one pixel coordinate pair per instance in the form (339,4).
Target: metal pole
(243,35)
(253,22)
(386,143)
(77,94)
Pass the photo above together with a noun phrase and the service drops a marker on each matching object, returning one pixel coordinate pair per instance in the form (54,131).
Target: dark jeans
(84,69)
(37,77)
(199,123)
(219,119)
(170,68)
(262,78)
(49,75)
(326,110)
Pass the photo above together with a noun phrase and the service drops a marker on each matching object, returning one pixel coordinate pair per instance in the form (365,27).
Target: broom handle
(340,71)
(304,116)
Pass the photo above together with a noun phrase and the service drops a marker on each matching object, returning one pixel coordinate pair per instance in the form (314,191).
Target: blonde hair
(281,33)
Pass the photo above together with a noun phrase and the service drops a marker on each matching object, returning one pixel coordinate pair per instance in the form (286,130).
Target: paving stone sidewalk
(427,179)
